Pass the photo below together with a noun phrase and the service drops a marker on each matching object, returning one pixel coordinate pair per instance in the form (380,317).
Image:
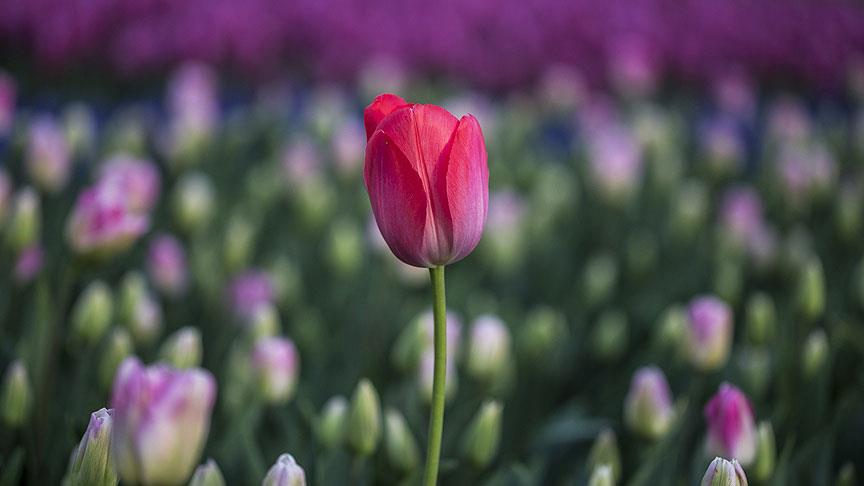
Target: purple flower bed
(488,43)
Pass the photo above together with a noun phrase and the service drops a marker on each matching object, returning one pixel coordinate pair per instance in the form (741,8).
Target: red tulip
(427,180)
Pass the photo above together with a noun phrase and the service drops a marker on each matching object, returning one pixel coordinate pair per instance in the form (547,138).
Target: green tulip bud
(761,318)
(540,338)
(265,322)
(605,452)
(399,443)
(409,345)
(208,474)
(671,327)
(599,279)
(331,424)
(483,435)
(92,313)
(117,348)
(139,310)
(193,202)
(728,280)
(601,476)
(182,349)
(815,353)
(239,242)
(765,452)
(91,463)
(610,336)
(811,290)
(25,225)
(345,247)
(364,419)
(15,395)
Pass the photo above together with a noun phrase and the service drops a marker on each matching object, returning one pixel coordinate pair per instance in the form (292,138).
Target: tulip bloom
(648,407)
(731,425)
(709,333)
(161,420)
(427,179)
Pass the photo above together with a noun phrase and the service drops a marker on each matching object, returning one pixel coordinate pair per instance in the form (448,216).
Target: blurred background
(676,186)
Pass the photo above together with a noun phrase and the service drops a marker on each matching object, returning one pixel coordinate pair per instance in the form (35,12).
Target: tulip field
(402,279)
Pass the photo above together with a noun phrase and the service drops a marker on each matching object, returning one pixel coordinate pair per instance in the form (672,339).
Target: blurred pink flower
(102,221)
(137,179)
(277,365)
(731,425)
(29,263)
(166,264)
(49,159)
(648,406)
(249,291)
(161,421)
(709,332)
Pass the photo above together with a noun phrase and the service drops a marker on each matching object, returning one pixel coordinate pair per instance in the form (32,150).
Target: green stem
(436,415)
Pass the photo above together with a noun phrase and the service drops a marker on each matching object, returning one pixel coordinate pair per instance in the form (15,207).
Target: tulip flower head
(724,473)
(249,292)
(166,265)
(427,179)
(137,179)
(103,222)
(648,406)
(709,332)
(277,364)
(286,472)
(731,425)
(29,263)
(49,161)
(91,460)
(161,421)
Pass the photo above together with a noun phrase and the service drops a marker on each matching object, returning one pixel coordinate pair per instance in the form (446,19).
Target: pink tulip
(137,179)
(102,221)
(166,264)
(427,179)
(731,425)
(709,332)
(161,421)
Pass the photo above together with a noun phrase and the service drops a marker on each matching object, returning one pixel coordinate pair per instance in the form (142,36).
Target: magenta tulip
(427,179)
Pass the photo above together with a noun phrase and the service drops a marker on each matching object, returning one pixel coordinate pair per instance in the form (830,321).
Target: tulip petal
(465,188)
(380,107)
(399,201)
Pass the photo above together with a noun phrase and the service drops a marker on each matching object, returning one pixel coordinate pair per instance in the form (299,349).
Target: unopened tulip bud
(331,424)
(286,472)
(671,327)
(605,452)
(610,336)
(601,476)
(91,463)
(276,364)
(648,408)
(724,473)
(815,353)
(399,443)
(731,425)
(489,348)
(183,349)
(92,313)
(728,280)
(599,279)
(761,318)
(118,347)
(193,201)
(16,395)
(49,159)
(847,476)
(345,247)
(483,435)
(766,454)
(139,309)
(541,337)
(208,474)
(265,322)
(79,127)
(709,333)
(811,290)
(166,265)
(248,292)
(25,224)
(161,421)
(29,263)
(364,419)
(239,242)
